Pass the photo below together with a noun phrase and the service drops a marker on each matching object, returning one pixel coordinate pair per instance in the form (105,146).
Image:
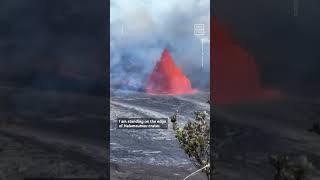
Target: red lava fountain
(167,78)
(235,76)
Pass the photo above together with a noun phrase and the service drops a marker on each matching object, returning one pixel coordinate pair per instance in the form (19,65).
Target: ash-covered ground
(152,148)
(48,133)
(247,134)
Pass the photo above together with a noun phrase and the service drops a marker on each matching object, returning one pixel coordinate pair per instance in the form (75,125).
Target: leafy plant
(290,169)
(194,139)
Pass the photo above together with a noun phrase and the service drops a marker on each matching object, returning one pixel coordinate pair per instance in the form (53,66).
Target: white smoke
(140,30)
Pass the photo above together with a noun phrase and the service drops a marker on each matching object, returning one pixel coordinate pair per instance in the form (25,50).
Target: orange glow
(167,78)
(235,76)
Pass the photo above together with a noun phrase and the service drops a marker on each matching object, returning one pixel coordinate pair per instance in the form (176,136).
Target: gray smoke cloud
(42,43)
(140,30)
(52,56)
(283,36)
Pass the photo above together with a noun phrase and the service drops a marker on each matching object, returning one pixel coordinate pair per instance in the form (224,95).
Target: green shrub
(290,168)
(194,139)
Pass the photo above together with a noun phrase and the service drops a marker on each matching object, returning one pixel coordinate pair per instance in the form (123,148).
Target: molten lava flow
(235,76)
(167,78)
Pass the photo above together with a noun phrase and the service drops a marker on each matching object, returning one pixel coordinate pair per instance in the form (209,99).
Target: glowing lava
(167,78)
(235,76)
